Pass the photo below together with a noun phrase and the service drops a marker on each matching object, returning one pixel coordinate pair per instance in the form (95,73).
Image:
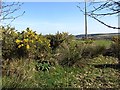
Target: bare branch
(105,14)
(103,22)
(8,9)
(107,8)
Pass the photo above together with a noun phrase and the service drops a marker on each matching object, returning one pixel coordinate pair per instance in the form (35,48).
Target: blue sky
(50,17)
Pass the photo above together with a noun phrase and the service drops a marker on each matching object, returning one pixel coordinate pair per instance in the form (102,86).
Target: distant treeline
(98,36)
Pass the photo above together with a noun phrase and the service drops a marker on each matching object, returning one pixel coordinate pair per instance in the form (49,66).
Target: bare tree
(8,10)
(103,9)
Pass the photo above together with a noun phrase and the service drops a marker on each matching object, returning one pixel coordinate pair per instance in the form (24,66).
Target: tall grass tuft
(16,72)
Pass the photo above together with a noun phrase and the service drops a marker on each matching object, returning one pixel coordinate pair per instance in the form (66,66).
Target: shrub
(116,39)
(88,41)
(8,42)
(43,66)
(90,51)
(56,40)
(115,49)
(26,44)
(69,53)
(34,44)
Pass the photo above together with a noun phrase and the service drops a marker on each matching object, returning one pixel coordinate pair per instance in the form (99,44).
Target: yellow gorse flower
(19,46)
(22,44)
(36,37)
(17,41)
(49,45)
(25,40)
(27,46)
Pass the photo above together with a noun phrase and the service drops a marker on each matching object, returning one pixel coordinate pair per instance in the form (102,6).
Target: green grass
(86,76)
(103,60)
(106,43)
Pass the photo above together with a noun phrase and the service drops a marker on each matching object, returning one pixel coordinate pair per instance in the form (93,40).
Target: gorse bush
(8,42)
(114,49)
(91,51)
(61,48)
(27,44)
(116,39)
(88,41)
(34,44)
(56,40)
(69,53)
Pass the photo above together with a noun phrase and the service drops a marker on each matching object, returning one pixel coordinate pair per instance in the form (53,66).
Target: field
(58,61)
(103,42)
(100,42)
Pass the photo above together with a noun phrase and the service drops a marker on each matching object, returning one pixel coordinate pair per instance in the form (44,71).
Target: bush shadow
(114,66)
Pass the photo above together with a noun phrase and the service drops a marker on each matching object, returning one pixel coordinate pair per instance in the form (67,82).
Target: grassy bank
(86,75)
